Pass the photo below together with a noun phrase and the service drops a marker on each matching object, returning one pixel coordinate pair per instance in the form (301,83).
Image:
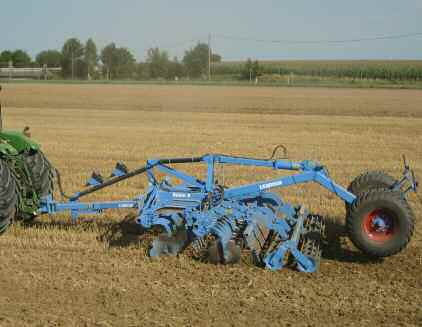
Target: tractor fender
(6,149)
(18,141)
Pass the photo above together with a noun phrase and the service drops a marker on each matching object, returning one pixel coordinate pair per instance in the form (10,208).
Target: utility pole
(73,64)
(209,57)
(45,71)
(10,69)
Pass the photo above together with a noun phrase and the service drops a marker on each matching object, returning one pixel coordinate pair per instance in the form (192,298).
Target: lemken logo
(269,185)
(180,195)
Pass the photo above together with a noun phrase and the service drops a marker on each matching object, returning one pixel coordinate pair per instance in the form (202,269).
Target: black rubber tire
(42,174)
(8,197)
(391,202)
(368,181)
(371,180)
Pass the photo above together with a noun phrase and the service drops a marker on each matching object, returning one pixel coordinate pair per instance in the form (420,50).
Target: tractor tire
(42,173)
(8,197)
(368,181)
(380,222)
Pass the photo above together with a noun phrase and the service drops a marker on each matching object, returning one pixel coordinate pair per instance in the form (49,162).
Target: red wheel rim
(380,225)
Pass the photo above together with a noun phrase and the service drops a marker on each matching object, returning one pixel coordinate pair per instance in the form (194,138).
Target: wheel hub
(379,225)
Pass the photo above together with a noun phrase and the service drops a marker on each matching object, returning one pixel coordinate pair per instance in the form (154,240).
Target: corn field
(394,70)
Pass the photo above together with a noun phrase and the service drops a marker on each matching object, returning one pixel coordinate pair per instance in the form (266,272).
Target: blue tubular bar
(277,164)
(210,173)
(243,161)
(287,165)
(186,178)
(54,207)
(279,182)
(338,190)
(310,176)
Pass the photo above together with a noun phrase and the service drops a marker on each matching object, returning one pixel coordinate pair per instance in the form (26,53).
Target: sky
(178,25)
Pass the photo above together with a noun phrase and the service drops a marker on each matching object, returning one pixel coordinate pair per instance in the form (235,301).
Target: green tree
(118,62)
(20,58)
(125,64)
(215,58)
(246,72)
(196,60)
(256,69)
(251,70)
(5,57)
(91,57)
(158,63)
(108,58)
(51,58)
(142,71)
(175,69)
(72,63)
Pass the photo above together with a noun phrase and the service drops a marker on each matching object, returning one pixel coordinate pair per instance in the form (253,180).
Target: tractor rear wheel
(42,177)
(368,181)
(42,174)
(8,197)
(380,222)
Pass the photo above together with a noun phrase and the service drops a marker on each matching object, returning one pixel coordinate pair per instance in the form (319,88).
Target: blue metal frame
(197,208)
(309,171)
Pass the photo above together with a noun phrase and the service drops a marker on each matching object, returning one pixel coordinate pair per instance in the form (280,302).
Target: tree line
(83,61)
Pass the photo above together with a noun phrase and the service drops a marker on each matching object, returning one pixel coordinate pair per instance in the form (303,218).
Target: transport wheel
(368,181)
(380,223)
(311,241)
(42,175)
(8,197)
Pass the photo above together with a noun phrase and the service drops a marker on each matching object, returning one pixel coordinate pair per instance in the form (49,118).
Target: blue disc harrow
(217,222)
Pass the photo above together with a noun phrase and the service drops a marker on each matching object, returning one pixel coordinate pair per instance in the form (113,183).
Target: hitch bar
(133,173)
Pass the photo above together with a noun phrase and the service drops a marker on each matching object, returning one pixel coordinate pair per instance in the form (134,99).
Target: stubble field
(95,273)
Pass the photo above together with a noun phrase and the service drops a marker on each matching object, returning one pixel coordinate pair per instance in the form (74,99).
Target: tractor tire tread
(386,196)
(8,197)
(41,172)
(369,180)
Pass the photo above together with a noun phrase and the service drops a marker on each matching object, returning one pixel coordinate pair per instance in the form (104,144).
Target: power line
(176,45)
(293,42)
(364,39)
(179,44)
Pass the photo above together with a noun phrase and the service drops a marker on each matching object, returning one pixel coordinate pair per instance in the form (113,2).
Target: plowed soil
(95,273)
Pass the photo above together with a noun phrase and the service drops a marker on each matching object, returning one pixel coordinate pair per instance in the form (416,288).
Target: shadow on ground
(123,233)
(336,247)
(127,232)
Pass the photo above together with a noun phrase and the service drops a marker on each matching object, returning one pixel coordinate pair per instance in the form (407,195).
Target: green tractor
(25,176)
